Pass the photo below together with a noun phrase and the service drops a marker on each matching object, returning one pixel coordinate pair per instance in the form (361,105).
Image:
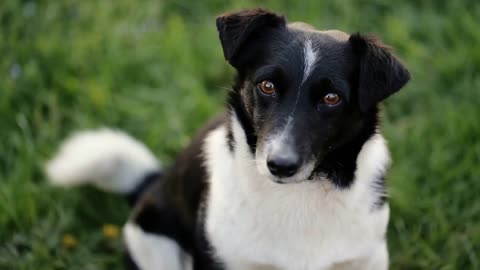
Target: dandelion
(69,241)
(110,231)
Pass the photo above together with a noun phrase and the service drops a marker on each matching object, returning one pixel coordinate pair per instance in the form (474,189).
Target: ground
(156,70)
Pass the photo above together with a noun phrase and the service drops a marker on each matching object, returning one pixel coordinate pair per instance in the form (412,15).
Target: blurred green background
(156,70)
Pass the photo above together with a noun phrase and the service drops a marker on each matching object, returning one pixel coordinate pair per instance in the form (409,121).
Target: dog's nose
(283,166)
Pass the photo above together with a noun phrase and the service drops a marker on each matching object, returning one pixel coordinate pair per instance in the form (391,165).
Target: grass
(69,65)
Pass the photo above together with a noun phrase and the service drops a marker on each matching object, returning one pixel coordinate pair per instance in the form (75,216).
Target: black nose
(283,166)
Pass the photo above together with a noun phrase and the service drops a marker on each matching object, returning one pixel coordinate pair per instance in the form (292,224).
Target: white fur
(310,58)
(154,252)
(254,223)
(108,159)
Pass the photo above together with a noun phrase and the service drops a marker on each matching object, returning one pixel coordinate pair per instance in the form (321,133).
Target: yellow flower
(110,231)
(69,241)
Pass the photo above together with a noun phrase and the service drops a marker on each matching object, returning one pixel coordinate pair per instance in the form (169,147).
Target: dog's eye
(331,99)
(267,87)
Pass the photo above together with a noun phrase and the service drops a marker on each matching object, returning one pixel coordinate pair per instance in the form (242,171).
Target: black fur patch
(165,220)
(340,165)
(381,189)
(230,138)
(170,207)
(237,106)
(148,180)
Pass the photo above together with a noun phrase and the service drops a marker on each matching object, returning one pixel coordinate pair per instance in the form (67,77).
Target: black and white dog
(290,177)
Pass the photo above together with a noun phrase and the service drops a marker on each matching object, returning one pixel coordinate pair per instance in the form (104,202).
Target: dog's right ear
(235,29)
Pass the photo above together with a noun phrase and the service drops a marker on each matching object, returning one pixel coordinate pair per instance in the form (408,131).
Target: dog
(290,176)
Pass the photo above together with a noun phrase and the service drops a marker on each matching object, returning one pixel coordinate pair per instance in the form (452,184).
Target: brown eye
(331,99)
(267,87)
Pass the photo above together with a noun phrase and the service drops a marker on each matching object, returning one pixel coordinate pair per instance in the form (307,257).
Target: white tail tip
(108,159)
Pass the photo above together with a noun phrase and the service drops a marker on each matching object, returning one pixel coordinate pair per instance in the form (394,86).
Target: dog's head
(306,99)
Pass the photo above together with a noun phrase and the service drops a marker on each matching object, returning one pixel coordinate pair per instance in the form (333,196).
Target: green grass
(156,70)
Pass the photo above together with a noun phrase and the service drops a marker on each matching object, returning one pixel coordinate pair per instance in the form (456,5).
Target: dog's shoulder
(171,205)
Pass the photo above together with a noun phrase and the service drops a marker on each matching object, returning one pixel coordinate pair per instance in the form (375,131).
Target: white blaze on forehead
(310,57)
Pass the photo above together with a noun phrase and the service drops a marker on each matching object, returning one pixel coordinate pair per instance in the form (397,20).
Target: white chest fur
(254,223)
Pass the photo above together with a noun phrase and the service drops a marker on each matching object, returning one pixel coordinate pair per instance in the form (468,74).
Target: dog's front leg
(149,251)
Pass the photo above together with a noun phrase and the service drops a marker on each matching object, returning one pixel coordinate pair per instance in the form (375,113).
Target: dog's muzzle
(283,165)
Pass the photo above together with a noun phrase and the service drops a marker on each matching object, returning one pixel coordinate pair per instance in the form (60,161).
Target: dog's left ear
(380,73)
(235,29)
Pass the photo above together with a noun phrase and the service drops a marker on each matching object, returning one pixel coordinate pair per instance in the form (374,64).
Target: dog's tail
(108,159)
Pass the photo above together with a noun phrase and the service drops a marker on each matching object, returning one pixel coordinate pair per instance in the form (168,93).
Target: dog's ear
(380,73)
(235,29)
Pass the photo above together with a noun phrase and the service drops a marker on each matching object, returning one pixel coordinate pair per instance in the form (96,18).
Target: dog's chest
(289,230)
(253,223)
